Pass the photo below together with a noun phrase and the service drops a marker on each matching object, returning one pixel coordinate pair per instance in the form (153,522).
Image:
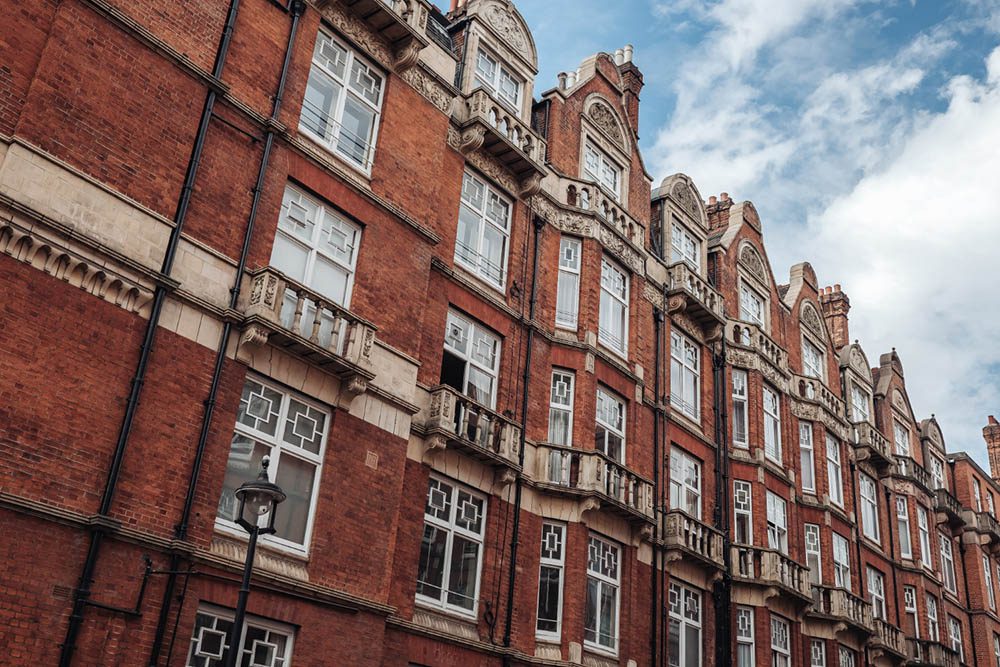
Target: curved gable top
(603,115)
(683,192)
(751,259)
(852,356)
(930,430)
(508,24)
(810,318)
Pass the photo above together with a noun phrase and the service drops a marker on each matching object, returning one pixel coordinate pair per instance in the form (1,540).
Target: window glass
(613,325)
(609,434)
(685,374)
(685,482)
(550,580)
(568,288)
(684,639)
(603,583)
(483,230)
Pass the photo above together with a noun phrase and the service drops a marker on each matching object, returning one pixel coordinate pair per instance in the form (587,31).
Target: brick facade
(469,267)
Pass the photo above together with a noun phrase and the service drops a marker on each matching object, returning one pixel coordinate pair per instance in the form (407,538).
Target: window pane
(430,571)
(462,573)
(355,132)
(548,598)
(295,477)
(319,104)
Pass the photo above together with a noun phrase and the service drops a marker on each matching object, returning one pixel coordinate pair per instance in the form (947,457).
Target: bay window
(471,360)
(561,408)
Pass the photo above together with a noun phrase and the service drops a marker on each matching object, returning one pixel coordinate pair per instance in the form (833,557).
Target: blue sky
(867,134)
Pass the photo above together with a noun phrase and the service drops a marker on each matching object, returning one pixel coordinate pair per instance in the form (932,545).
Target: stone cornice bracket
(472,139)
(676,304)
(407,56)
(433,444)
(530,185)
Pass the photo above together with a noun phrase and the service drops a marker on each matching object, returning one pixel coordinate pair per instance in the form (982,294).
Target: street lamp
(257,499)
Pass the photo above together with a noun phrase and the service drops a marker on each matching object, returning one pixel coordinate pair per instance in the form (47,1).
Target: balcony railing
(461,422)
(771,568)
(397,21)
(692,538)
(845,606)
(491,127)
(815,391)
(701,300)
(948,507)
(872,445)
(928,653)
(986,525)
(590,473)
(910,469)
(889,638)
(753,337)
(589,196)
(284,313)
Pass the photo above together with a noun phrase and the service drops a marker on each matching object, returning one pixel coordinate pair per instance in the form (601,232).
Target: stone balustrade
(908,468)
(700,299)
(948,507)
(890,638)
(490,126)
(926,652)
(815,391)
(594,474)
(401,23)
(692,537)
(771,568)
(872,444)
(473,427)
(590,196)
(753,337)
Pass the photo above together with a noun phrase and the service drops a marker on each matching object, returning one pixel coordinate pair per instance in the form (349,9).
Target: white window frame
(876,592)
(684,246)
(611,295)
(903,524)
(226,617)
(772,425)
(753,306)
(278,448)
(841,562)
(684,619)
(607,575)
(860,404)
(937,473)
(812,359)
(684,468)
(990,507)
(741,426)
(933,628)
(924,532)
(451,528)
(553,557)
(570,259)
(910,608)
(996,648)
(991,596)
(299,211)
(344,82)
(492,81)
(777,523)
(814,552)
(901,438)
(834,471)
(561,405)
(745,647)
(474,332)
(947,563)
(848,658)
(609,174)
(817,653)
(781,645)
(475,260)
(977,494)
(685,369)
(742,511)
(808,457)
(955,637)
(868,490)
(611,429)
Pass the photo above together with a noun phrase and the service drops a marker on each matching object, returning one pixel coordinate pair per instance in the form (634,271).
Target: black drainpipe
(723,586)
(81,595)
(664,442)
(893,525)
(181,529)
(518,486)
(657,513)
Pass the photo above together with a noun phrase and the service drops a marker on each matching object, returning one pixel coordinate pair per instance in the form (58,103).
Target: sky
(867,135)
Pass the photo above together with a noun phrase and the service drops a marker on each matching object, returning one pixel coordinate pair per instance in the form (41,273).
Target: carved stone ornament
(501,18)
(860,364)
(254,335)
(358,32)
(652,293)
(899,401)
(810,318)
(565,221)
(750,258)
(621,250)
(685,198)
(484,163)
(607,121)
(435,92)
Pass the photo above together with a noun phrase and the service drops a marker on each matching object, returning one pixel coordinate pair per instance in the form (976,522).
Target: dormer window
(751,306)
(812,360)
(599,167)
(684,246)
(860,401)
(499,80)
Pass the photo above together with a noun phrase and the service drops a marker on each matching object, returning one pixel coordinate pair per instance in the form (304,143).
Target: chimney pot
(712,200)
(619,56)
(628,53)
(836,287)
(562,80)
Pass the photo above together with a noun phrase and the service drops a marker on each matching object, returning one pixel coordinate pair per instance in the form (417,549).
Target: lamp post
(257,499)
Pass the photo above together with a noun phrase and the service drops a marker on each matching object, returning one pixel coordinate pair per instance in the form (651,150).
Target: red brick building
(527,409)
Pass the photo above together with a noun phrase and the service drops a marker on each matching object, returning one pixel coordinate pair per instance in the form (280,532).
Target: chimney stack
(835,308)
(631,83)
(991,434)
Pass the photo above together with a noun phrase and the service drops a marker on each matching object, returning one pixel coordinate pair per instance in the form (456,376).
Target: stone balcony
(909,469)
(948,508)
(814,390)
(596,477)
(488,125)
(986,526)
(283,313)
(455,420)
(926,653)
(872,446)
(774,570)
(752,337)
(688,538)
(849,611)
(688,291)
(889,640)
(590,196)
(402,23)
